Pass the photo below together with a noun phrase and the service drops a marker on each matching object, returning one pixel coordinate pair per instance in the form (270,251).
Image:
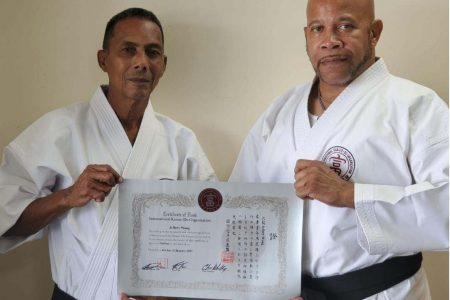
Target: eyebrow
(312,23)
(346,18)
(340,19)
(151,45)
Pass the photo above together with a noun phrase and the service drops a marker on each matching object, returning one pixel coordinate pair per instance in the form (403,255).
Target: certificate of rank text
(210,240)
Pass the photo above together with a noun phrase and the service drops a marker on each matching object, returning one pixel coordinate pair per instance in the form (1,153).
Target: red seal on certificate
(228,257)
(210,200)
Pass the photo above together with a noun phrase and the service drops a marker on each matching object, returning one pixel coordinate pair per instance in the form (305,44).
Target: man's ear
(101,59)
(165,66)
(165,63)
(375,32)
(305,29)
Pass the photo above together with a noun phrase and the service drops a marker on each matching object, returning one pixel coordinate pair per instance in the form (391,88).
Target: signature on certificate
(214,268)
(179,266)
(152,267)
(158,266)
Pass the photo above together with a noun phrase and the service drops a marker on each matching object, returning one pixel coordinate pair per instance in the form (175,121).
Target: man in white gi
(368,153)
(61,173)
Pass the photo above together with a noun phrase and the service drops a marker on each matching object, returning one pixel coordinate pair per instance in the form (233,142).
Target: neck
(330,92)
(327,93)
(130,113)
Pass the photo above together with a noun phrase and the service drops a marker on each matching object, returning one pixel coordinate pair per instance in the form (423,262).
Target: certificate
(212,240)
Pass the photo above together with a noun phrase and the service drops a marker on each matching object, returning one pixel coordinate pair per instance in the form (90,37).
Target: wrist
(65,198)
(348,194)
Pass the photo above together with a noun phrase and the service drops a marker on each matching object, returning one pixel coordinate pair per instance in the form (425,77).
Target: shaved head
(366,7)
(341,36)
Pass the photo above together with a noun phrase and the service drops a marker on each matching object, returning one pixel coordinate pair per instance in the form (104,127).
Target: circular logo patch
(210,200)
(341,161)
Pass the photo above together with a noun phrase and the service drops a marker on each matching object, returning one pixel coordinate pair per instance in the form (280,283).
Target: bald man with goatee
(367,152)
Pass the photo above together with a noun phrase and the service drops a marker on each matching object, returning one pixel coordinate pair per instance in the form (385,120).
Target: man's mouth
(333,59)
(139,80)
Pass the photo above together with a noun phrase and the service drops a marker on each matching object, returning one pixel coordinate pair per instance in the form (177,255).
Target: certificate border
(278,205)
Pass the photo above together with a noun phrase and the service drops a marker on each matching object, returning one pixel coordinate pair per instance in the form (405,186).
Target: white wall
(227,61)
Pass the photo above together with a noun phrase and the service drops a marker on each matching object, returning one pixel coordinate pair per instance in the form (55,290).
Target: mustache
(331,58)
(140,77)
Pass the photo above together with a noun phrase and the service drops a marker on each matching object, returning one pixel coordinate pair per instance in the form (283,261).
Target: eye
(129,50)
(345,27)
(154,53)
(316,29)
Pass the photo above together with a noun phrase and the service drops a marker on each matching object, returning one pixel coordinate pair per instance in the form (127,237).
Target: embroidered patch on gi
(210,200)
(341,161)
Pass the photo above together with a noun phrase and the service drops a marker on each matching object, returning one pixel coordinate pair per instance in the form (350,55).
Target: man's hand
(95,183)
(315,180)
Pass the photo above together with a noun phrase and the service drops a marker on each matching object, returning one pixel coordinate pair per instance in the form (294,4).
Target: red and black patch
(210,200)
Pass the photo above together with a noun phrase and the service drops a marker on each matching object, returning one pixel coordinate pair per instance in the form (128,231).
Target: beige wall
(228,59)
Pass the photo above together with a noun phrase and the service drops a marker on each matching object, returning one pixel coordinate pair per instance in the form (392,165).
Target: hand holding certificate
(209,240)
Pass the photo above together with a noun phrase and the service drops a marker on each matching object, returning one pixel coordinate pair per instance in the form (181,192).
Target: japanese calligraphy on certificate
(211,240)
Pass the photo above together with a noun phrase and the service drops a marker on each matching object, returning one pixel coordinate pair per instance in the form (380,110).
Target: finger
(305,173)
(314,172)
(122,296)
(102,176)
(109,174)
(108,169)
(99,186)
(97,196)
(301,164)
(125,297)
(303,195)
(309,183)
(116,175)
(304,164)
(300,175)
(312,187)
(301,189)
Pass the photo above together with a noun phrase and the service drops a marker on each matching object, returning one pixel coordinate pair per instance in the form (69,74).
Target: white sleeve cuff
(369,233)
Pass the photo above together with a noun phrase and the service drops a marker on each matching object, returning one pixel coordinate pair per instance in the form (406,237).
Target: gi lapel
(310,143)
(302,128)
(132,159)
(111,128)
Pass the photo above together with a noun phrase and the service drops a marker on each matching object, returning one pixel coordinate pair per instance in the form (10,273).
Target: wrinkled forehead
(360,9)
(137,29)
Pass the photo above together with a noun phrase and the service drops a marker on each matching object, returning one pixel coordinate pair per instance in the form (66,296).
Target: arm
(394,219)
(95,182)
(398,218)
(193,163)
(391,219)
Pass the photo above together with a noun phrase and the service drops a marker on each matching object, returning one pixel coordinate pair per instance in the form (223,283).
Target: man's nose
(141,61)
(331,40)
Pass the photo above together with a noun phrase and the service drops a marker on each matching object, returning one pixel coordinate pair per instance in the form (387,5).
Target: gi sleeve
(195,165)
(399,219)
(21,182)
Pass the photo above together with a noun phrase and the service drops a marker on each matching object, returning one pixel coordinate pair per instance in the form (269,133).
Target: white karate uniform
(52,153)
(387,135)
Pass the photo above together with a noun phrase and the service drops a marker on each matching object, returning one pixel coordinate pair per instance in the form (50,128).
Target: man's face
(339,38)
(134,60)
